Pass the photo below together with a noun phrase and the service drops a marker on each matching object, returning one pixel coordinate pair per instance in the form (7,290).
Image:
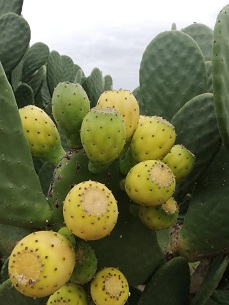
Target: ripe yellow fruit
(90,210)
(41,263)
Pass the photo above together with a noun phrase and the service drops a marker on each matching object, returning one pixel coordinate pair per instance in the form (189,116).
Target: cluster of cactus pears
(113,197)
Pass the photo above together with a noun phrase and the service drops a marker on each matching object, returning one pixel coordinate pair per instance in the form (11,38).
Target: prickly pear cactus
(127,200)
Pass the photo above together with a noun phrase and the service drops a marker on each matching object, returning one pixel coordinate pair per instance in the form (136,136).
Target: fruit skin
(42,134)
(68,234)
(126,104)
(159,217)
(86,263)
(103,136)
(180,160)
(109,287)
(70,104)
(90,210)
(153,139)
(70,293)
(41,263)
(150,183)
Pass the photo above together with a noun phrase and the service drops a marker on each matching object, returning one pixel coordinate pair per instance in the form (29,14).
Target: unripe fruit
(103,136)
(69,294)
(159,217)
(41,263)
(180,160)
(86,263)
(126,104)
(70,104)
(150,183)
(109,287)
(41,133)
(68,234)
(152,139)
(90,210)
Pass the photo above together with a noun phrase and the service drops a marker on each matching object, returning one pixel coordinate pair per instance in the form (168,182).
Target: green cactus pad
(221,297)
(169,285)
(94,85)
(14,40)
(22,201)
(220,68)
(14,6)
(172,71)
(79,77)
(54,70)
(24,95)
(208,65)
(137,93)
(37,80)
(195,124)
(9,236)
(16,75)
(211,280)
(35,57)
(108,83)
(204,232)
(69,69)
(10,296)
(203,35)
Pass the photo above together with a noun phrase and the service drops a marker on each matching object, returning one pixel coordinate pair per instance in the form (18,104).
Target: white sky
(111,35)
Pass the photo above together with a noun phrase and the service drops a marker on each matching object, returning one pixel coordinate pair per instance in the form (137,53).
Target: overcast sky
(111,35)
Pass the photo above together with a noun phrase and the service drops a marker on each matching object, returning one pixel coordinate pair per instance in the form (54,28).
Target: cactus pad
(169,54)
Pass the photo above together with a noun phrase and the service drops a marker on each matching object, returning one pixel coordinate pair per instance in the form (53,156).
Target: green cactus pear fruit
(68,234)
(90,210)
(153,139)
(42,134)
(126,104)
(70,104)
(159,217)
(103,136)
(85,265)
(180,160)
(150,183)
(41,263)
(68,294)
(109,287)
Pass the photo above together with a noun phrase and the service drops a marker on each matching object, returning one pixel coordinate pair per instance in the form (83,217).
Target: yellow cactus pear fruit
(41,133)
(90,210)
(159,217)
(180,160)
(152,139)
(69,294)
(109,287)
(126,104)
(150,183)
(41,263)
